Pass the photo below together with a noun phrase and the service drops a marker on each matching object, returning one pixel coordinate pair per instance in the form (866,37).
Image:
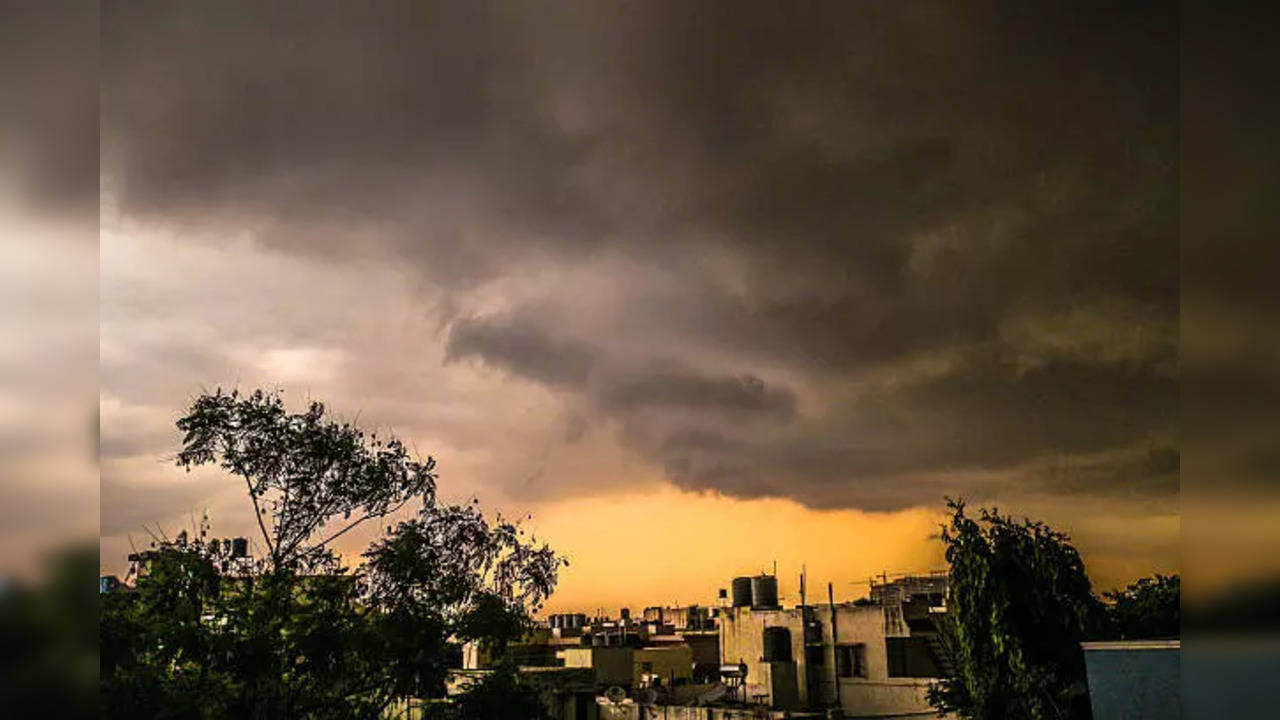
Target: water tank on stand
(742,592)
(764,592)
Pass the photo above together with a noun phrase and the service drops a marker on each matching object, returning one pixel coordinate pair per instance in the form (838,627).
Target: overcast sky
(740,280)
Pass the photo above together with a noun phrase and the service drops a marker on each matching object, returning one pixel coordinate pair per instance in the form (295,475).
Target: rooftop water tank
(764,592)
(742,592)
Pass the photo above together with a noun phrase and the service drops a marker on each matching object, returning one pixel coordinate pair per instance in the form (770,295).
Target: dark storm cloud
(679,388)
(48,120)
(964,212)
(519,347)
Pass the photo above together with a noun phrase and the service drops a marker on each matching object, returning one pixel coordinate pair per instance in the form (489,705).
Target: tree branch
(257,513)
(357,522)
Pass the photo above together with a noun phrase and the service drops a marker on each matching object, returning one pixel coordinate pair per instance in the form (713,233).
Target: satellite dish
(615,694)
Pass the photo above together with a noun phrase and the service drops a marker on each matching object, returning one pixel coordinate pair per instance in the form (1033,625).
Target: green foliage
(1148,609)
(295,634)
(193,642)
(1019,605)
(49,637)
(501,695)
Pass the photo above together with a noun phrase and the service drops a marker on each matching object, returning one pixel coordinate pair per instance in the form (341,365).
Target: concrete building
(573,661)
(704,645)
(1134,679)
(870,659)
(678,618)
(537,649)
(633,668)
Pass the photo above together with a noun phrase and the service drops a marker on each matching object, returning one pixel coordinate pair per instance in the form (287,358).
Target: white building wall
(877,694)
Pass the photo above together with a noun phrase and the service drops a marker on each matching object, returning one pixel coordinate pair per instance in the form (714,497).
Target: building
(679,618)
(1134,679)
(871,658)
(574,660)
(537,649)
(633,668)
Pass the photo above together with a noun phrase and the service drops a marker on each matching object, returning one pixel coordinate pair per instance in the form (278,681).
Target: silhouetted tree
(49,637)
(301,471)
(294,633)
(1019,605)
(1150,608)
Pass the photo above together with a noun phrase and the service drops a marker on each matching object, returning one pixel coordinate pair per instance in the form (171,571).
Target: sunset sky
(698,286)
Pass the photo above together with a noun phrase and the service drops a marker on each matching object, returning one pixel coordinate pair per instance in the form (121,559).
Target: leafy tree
(502,695)
(49,637)
(294,633)
(302,471)
(1019,604)
(1147,609)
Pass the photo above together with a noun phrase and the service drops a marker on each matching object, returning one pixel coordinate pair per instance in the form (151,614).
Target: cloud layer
(855,254)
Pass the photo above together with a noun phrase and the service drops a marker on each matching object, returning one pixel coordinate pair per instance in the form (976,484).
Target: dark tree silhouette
(1150,608)
(1019,605)
(295,633)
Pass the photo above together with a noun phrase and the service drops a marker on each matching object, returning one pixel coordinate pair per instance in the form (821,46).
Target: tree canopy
(295,632)
(1150,608)
(1019,605)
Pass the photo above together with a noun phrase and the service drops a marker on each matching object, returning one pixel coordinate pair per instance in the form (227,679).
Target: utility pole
(831,601)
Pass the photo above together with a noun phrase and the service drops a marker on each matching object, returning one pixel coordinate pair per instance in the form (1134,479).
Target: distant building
(748,657)
(574,660)
(871,659)
(688,617)
(633,668)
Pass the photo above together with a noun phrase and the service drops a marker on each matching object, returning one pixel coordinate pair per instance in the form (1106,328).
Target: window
(896,652)
(910,657)
(851,660)
(815,655)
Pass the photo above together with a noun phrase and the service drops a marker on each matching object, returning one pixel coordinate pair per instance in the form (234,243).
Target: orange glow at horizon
(665,546)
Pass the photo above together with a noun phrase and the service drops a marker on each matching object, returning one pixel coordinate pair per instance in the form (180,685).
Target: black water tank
(240,547)
(764,592)
(777,644)
(742,592)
